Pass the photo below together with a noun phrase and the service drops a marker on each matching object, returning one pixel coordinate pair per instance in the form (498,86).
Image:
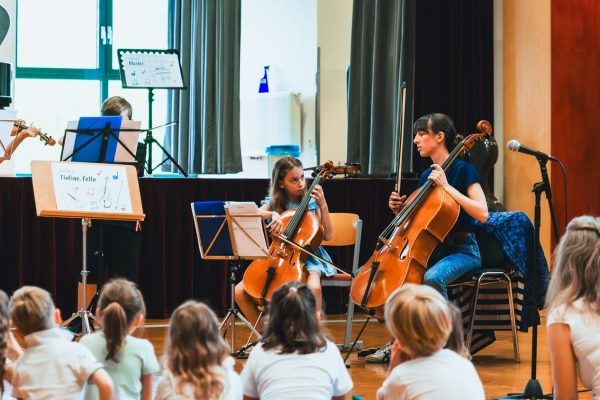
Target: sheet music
(91,187)
(247,229)
(151,69)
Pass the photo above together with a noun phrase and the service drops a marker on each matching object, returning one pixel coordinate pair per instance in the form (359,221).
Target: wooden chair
(347,230)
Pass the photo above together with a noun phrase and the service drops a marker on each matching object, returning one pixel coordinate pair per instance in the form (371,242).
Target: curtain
(207,138)
(381,58)
(454,58)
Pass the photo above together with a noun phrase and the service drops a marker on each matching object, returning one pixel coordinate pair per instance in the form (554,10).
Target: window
(67,68)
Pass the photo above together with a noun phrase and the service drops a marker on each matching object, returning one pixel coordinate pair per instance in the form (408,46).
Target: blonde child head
(121,305)
(576,270)
(419,318)
(195,349)
(32,310)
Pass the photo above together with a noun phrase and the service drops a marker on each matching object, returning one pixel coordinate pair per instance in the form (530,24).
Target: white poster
(91,187)
(148,69)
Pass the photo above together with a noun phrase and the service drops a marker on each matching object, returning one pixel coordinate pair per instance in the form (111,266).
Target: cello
(404,247)
(285,262)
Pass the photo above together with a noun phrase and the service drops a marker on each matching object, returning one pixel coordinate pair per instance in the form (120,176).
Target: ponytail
(115,329)
(120,303)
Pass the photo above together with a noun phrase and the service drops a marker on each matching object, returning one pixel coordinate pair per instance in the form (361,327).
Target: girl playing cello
(288,187)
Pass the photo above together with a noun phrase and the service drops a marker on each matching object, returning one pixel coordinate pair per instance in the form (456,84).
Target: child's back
(442,375)
(135,359)
(52,367)
(129,361)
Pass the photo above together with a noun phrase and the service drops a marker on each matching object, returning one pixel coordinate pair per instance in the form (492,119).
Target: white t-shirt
(321,375)
(52,367)
(443,375)
(585,339)
(232,385)
(136,358)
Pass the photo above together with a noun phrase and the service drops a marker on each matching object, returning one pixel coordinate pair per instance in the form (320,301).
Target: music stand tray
(233,232)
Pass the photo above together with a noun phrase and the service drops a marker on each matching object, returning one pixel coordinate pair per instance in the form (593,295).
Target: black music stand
(231,232)
(151,69)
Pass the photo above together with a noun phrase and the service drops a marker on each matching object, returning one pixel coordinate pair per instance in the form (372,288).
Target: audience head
(4,331)
(121,305)
(576,270)
(195,349)
(456,340)
(293,324)
(32,310)
(117,105)
(419,318)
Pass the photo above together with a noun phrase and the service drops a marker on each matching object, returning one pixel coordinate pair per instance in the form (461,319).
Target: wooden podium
(87,191)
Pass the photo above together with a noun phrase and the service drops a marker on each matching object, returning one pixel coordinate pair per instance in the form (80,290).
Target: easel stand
(83,316)
(533,389)
(57,197)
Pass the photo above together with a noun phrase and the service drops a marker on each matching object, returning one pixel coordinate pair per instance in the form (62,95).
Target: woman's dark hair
(439,123)
(292,325)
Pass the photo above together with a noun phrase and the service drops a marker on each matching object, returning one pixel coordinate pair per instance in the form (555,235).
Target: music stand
(87,191)
(232,232)
(151,69)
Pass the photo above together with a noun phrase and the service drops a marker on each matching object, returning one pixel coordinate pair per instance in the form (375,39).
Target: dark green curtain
(381,58)
(207,138)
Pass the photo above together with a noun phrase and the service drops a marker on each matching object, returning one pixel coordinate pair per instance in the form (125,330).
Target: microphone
(514,145)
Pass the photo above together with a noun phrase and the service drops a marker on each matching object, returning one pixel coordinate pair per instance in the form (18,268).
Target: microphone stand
(533,389)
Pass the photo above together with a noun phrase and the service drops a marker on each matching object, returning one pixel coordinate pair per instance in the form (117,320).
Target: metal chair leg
(472,316)
(349,319)
(513,322)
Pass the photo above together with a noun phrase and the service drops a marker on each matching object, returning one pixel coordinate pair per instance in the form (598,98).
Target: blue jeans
(450,260)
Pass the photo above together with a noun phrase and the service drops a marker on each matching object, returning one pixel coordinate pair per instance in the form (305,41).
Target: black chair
(495,269)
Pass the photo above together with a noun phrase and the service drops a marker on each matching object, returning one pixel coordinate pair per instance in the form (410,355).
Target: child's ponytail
(120,303)
(114,326)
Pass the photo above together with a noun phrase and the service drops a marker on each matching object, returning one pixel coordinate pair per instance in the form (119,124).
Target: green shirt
(136,358)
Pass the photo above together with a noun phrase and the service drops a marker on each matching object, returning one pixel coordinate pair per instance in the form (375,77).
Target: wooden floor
(498,371)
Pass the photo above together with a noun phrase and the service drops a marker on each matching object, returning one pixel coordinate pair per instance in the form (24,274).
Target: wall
(527,105)
(334,34)
(575,105)
(283,35)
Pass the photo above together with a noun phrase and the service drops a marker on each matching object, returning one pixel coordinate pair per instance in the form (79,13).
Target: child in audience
(573,300)
(129,361)
(52,367)
(4,339)
(293,360)
(420,320)
(197,361)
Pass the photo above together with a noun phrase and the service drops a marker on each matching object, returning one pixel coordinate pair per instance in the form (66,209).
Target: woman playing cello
(288,187)
(435,137)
